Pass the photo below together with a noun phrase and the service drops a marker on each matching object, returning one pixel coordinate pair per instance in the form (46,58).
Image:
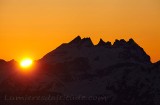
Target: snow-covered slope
(99,56)
(122,72)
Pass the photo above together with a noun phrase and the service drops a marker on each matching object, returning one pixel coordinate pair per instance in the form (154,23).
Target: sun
(26,63)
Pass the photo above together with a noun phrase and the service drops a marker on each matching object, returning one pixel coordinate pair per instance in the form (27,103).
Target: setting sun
(25,63)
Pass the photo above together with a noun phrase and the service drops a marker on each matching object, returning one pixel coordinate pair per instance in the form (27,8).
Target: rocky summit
(121,73)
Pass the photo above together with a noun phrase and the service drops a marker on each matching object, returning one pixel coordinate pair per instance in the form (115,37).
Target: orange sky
(32,28)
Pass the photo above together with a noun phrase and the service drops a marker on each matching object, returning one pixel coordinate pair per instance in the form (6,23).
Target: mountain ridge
(122,72)
(130,48)
(78,40)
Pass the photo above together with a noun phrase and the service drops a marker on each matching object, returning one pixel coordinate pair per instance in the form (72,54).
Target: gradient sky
(32,28)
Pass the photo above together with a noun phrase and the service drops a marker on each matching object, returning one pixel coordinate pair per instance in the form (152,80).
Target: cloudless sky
(32,28)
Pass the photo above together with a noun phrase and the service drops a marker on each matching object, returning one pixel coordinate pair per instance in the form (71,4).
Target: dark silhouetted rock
(108,44)
(119,43)
(87,42)
(121,73)
(101,43)
(132,42)
(76,40)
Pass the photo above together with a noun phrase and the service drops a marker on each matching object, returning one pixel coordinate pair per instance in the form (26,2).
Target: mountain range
(121,72)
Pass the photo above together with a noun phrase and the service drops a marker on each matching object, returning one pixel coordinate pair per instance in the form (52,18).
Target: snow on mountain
(122,72)
(99,56)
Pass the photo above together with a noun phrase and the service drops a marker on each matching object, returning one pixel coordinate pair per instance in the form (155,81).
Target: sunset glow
(43,25)
(25,63)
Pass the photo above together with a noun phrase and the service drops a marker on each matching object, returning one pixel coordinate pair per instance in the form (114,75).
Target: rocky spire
(132,42)
(101,43)
(82,42)
(108,43)
(119,43)
(87,42)
(76,40)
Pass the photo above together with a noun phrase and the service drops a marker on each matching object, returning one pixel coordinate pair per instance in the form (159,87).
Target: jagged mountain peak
(101,43)
(120,42)
(76,40)
(82,42)
(108,43)
(88,42)
(132,42)
(121,50)
(73,69)
(123,42)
